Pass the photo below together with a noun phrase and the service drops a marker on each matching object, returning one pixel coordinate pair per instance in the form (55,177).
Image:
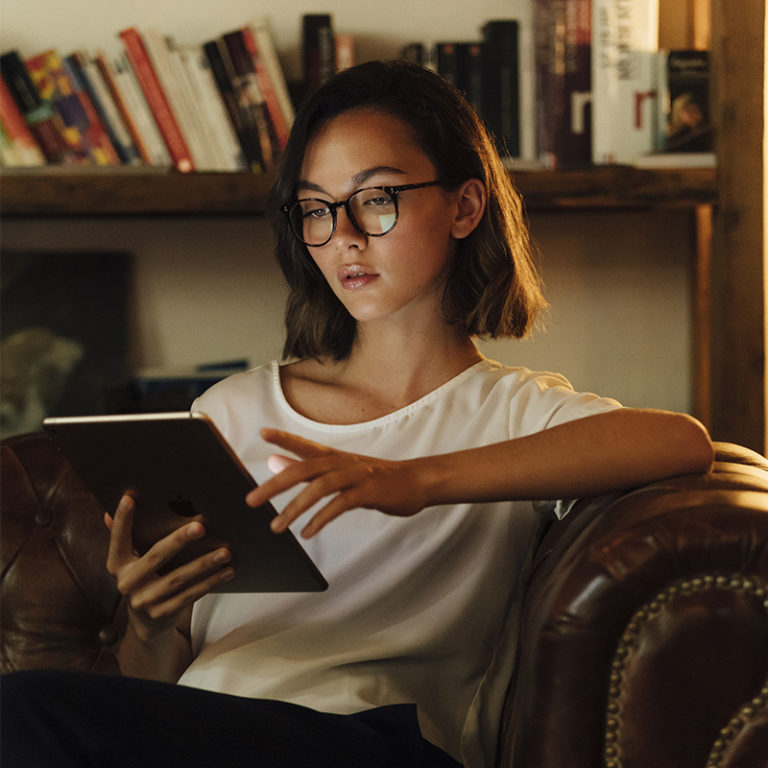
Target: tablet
(178,467)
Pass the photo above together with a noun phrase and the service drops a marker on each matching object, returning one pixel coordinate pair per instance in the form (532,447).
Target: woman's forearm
(596,454)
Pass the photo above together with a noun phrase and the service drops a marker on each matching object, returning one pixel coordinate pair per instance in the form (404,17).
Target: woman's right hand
(158,600)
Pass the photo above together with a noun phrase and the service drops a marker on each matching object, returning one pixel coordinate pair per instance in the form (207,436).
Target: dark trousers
(78,720)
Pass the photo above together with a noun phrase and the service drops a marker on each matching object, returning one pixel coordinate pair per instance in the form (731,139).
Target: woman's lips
(355,276)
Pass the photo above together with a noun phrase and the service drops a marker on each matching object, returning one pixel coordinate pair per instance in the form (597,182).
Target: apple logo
(182,507)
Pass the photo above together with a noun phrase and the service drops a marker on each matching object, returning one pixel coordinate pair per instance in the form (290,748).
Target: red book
(17,130)
(156,98)
(279,123)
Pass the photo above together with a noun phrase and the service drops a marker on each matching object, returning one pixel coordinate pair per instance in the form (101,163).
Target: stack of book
(602,91)
(221,105)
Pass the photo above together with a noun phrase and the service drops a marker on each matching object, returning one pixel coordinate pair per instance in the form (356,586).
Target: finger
(297,472)
(121,534)
(143,570)
(333,509)
(327,484)
(210,568)
(302,447)
(277,463)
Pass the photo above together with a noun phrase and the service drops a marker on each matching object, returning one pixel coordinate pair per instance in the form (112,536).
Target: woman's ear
(471,199)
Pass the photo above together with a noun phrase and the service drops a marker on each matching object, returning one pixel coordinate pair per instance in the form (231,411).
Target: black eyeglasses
(373,211)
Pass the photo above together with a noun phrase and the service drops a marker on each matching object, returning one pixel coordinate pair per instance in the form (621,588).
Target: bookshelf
(726,207)
(93,193)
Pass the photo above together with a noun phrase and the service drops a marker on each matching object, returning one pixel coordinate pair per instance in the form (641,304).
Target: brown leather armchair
(644,642)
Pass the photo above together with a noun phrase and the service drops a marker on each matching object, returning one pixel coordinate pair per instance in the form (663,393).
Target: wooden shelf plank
(67,192)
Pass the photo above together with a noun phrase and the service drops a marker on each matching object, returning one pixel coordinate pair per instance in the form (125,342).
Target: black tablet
(179,468)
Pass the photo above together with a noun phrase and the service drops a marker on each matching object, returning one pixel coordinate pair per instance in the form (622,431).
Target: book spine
(469,73)
(156,99)
(277,117)
(103,149)
(221,135)
(346,53)
(624,60)
(120,101)
(563,82)
(137,105)
(448,61)
(22,148)
(250,98)
(687,126)
(268,52)
(502,84)
(44,124)
(104,102)
(56,90)
(318,48)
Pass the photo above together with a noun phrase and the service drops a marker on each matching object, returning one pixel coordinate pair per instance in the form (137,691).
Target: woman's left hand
(347,480)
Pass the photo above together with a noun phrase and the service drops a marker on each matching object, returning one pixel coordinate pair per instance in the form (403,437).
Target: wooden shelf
(64,192)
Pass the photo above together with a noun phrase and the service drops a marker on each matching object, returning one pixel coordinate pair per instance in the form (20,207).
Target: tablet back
(179,468)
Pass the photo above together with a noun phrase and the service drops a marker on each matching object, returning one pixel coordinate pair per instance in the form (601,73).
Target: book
(501,74)
(220,135)
(19,147)
(40,117)
(93,83)
(268,53)
(461,63)
(346,54)
(318,50)
(279,127)
(242,122)
(169,72)
(683,105)
(423,54)
(250,97)
(56,89)
(563,76)
(97,132)
(136,112)
(624,93)
(157,99)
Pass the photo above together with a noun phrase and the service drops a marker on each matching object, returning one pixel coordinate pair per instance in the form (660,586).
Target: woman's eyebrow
(356,180)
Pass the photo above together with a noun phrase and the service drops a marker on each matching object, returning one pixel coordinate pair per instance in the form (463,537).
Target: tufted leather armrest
(61,608)
(645,631)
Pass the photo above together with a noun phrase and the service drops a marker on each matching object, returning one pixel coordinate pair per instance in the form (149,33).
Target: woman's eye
(318,212)
(379,201)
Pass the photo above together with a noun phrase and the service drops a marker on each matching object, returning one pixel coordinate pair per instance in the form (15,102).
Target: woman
(419,473)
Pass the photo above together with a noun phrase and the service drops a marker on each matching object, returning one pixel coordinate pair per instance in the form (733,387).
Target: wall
(205,289)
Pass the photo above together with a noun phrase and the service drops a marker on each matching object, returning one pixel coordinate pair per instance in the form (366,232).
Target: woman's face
(400,274)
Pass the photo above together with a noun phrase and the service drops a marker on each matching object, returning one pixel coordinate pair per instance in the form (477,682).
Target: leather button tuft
(108,636)
(43,518)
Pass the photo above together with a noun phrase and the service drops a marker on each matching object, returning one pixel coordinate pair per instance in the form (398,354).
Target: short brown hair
(493,288)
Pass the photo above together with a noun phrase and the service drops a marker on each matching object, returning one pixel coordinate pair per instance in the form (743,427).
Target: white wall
(206,289)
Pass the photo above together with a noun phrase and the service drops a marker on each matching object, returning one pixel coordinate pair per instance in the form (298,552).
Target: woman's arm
(157,642)
(596,454)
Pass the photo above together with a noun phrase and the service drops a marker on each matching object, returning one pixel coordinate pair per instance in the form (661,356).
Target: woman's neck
(383,373)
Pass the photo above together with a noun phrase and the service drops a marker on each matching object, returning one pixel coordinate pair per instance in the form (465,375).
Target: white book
(160,55)
(267,49)
(218,127)
(125,81)
(625,36)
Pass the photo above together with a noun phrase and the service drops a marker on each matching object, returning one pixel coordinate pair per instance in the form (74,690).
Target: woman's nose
(347,234)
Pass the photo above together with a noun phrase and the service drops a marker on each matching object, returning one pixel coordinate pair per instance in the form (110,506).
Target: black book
(319,50)
(501,74)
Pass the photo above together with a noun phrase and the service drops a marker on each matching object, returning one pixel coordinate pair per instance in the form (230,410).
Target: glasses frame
(392,190)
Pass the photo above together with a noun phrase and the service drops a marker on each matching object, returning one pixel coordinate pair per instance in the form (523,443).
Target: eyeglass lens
(373,212)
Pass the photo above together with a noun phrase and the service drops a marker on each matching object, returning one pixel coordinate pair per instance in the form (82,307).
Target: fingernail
(124,505)
(222,556)
(195,531)
(277,525)
(227,574)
